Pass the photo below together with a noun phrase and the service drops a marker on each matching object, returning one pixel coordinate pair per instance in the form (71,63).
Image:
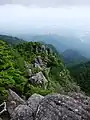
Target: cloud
(46,3)
(22,19)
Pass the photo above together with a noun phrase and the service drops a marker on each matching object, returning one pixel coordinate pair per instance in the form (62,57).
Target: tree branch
(4,109)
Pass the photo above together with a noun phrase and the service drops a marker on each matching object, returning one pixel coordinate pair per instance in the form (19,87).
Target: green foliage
(3,94)
(73,57)
(81,75)
(11,40)
(10,69)
(14,62)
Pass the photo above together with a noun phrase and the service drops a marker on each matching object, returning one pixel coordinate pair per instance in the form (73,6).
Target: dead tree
(4,108)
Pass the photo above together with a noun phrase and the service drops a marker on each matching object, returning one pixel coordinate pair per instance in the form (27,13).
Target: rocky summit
(36,85)
(74,106)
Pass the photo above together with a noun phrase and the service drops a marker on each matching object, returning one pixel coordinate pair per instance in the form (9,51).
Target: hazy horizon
(63,17)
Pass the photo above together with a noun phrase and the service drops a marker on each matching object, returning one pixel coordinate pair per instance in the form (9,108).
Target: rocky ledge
(74,106)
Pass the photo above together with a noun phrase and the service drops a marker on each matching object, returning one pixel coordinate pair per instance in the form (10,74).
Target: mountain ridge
(72,57)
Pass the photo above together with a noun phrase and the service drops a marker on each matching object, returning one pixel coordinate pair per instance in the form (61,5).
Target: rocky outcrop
(27,111)
(34,101)
(38,79)
(75,106)
(38,60)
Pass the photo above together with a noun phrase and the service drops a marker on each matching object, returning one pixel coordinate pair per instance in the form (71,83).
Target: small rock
(22,112)
(29,72)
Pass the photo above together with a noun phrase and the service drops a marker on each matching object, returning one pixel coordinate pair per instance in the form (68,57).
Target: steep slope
(30,68)
(72,57)
(53,49)
(81,74)
(11,66)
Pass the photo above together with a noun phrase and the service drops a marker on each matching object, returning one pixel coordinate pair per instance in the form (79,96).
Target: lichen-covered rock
(22,112)
(74,106)
(61,107)
(34,101)
(80,97)
(13,101)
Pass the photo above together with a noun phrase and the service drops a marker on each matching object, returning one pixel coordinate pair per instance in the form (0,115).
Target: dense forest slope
(72,57)
(10,39)
(81,74)
(31,67)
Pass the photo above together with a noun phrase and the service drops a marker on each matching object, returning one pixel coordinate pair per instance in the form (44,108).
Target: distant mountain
(10,39)
(72,57)
(61,43)
(55,40)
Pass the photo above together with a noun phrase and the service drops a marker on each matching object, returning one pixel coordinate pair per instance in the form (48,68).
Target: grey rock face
(38,60)
(41,63)
(61,107)
(34,101)
(22,112)
(75,106)
(38,66)
(13,101)
(80,97)
(38,78)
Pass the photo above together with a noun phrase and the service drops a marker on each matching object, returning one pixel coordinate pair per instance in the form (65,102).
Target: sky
(46,3)
(45,16)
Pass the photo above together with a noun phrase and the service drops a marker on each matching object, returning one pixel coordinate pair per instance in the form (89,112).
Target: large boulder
(13,101)
(74,106)
(27,111)
(22,112)
(62,107)
(34,101)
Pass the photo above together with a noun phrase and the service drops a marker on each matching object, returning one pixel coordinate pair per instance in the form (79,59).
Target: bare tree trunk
(4,109)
